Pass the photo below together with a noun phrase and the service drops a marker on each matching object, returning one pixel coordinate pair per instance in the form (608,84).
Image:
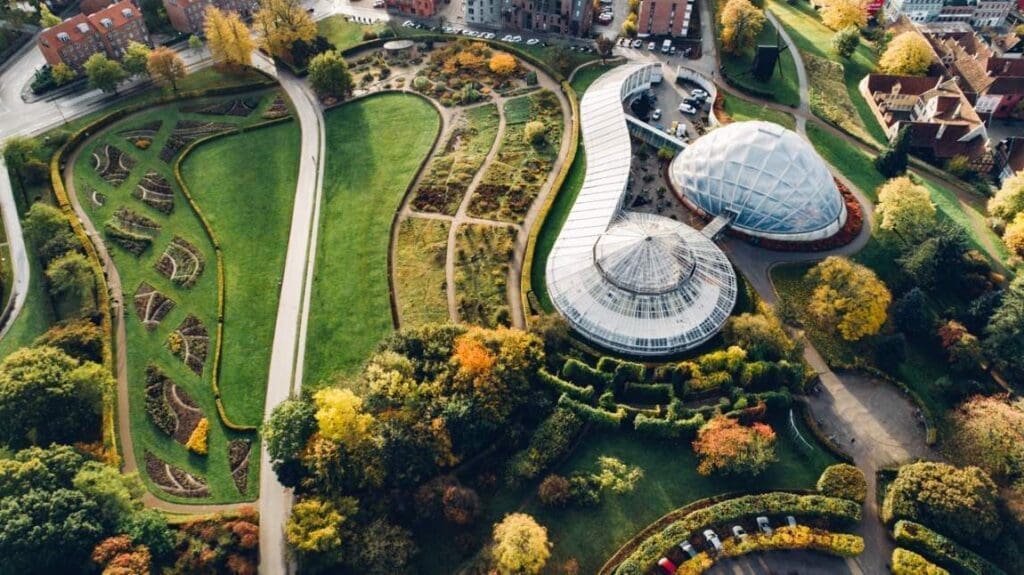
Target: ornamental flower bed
(174,480)
(155,191)
(143,133)
(113,165)
(240,107)
(190,343)
(172,409)
(151,306)
(461,73)
(187,131)
(129,219)
(278,109)
(133,243)
(238,458)
(181,262)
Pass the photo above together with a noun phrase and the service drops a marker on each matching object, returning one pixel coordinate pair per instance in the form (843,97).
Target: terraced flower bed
(156,192)
(277,109)
(113,165)
(174,480)
(521,167)
(238,458)
(481,273)
(181,262)
(131,230)
(151,306)
(187,131)
(190,343)
(447,179)
(142,136)
(170,407)
(240,107)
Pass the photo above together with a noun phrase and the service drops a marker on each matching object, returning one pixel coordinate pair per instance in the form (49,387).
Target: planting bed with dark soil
(278,109)
(151,306)
(156,192)
(181,262)
(172,409)
(190,343)
(174,480)
(240,107)
(113,165)
(187,131)
(238,457)
(143,133)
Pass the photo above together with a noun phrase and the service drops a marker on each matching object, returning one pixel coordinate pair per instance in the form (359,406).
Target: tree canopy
(724,445)
(741,23)
(329,75)
(1009,199)
(104,74)
(905,208)
(166,67)
(842,14)
(848,296)
(989,433)
(228,37)
(845,41)
(908,54)
(521,545)
(135,58)
(282,23)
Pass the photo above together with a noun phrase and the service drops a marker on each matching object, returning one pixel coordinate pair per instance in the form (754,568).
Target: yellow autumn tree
(905,208)
(502,64)
(1013,236)
(228,38)
(839,14)
(317,526)
(473,356)
(848,296)
(198,442)
(521,545)
(1009,200)
(166,67)
(281,23)
(340,416)
(907,55)
(741,23)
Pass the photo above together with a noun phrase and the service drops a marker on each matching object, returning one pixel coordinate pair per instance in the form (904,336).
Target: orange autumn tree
(724,445)
(502,64)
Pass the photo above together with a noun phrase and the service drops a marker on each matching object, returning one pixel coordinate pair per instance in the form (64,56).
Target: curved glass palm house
(640,284)
(767,178)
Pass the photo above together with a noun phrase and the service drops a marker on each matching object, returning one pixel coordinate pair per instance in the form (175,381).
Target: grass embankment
(364,181)
(741,110)
(420,282)
(783,83)
(240,182)
(482,255)
(344,34)
(811,36)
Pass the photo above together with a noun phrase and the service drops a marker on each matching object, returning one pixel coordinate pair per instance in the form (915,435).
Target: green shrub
(943,550)
(583,375)
(607,364)
(647,393)
(584,394)
(666,428)
(549,442)
(845,481)
(729,360)
(599,417)
(905,562)
(629,371)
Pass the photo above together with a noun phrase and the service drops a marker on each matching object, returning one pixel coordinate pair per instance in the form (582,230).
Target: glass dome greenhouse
(769,179)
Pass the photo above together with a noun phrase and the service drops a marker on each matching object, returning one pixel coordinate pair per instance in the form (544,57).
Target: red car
(667,566)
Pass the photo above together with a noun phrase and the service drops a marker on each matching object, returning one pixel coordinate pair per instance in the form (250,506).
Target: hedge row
(580,373)
(664,428)
(584,394)
(599,417)
(646,393)
(800,537)
(552,440)
(906,562)
(942,550)
(840,512)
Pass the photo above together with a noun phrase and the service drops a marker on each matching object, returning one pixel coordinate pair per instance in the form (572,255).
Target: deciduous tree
(18,151)
(841,14)
(760,334)
(990,434)
(605,45)
(104,74)
(535,132)
(71,275)
(287,432)
(848,296)
(893,159)
(1013,236)
(521,545)
(166,67)
(281,23)
(329,75)
(47,19)
(135,58)
(317,527)
(228,38)
(845,41)
(340,416)
(905,208)
(116,494)
(502,63)
(62,74)
(741,23)
(724,445)
(908,54)
(1009,200)
(1004,335)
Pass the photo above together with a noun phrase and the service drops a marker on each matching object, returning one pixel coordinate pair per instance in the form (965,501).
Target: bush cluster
(595,415)
(561,386)
(906,562)
(942,550)
(844,481)
(549,442)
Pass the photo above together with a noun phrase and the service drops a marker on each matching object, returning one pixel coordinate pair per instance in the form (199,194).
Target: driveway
(786,563)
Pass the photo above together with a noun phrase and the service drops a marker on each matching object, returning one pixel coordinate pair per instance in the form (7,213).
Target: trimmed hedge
(584,394)
(787,538)
(551,440)
(679,428)
(845,481)
(646,393)
(943,550)
(839,511)
(906,562)
(583,375)
(599,417)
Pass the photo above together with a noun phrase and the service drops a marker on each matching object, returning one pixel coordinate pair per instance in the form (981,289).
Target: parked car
(688,549)
(738,532)
(532,41)
(651,46)
(667,567)
(445,29)
(638,43)
(506,38)
(791,521)
(672,51)
(605,18)
(680,133)
(698,93)
(687,109)
(693,102)
(656,114)
(408,24)
(489,35)
(517,39)
(764,525)
(713,539)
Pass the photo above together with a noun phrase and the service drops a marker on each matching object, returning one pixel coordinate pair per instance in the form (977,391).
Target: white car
(637,43)
(378,4)
(698,93)
(448,30)
(656,115)
(738,532)
(489,35)
(688,549)
(506,38)
(764,525)
(517,39)
(651,46)
(408,24)
(791,521)
(472,33)
(687,109)
(713,539)
(532,42)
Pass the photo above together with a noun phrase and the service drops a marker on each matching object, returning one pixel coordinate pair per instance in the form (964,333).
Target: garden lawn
(245,183)
(419,272)
(223,190)
(851,161)
(586,76)
(782,86)
(810,35)
(741,110)
(364,181)
(552,226)
(342,33)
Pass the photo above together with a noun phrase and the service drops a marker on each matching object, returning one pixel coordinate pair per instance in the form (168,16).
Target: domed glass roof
(769,179)
(644,255)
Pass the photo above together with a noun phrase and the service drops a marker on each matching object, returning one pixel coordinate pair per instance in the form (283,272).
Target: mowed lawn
(342,33)
(741,110)
(374,147)
(783,83)
(245,185)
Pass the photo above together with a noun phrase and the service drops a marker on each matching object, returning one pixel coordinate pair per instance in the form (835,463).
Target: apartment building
(978,13)
(665,17)
(571,17)
(107,31)
(483,12)
(418,8)
(187,16)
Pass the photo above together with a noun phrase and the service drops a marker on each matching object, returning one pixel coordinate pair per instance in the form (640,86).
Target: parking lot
(668,97)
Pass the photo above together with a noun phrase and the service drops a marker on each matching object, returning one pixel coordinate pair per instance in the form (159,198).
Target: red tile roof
(72,27)
(120,14)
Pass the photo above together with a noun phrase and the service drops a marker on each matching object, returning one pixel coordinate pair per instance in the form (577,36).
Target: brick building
(418,8)
(665,17)
(118,25)
(106,31)
(187,16)
(572,17)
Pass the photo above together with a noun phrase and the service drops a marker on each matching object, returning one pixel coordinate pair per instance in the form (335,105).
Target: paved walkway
(20,269)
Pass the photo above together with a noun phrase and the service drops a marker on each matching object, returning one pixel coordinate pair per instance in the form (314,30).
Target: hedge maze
(156,192)
(151,306)
(174,480)
(113,165)
(240,107)
(187,131)
(238,458)
(190,343)
(170,407)
(181,262)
